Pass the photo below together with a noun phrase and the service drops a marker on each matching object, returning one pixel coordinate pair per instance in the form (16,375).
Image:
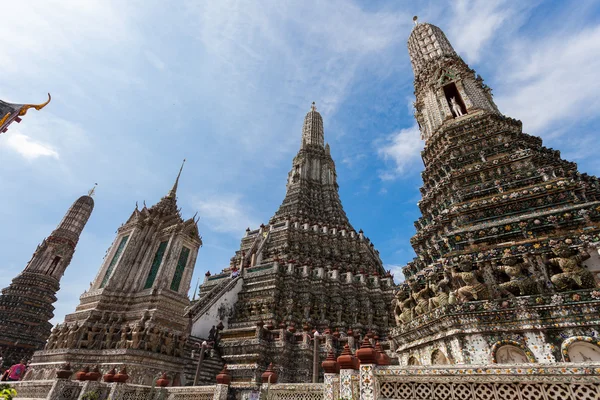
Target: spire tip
(92,191)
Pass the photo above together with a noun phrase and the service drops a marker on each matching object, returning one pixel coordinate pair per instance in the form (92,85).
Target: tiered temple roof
(10,112)
(306,269)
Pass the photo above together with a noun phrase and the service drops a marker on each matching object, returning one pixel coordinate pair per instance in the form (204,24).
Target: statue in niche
(421,293)
(136,336)
(123,342)
(110,336)
(100,331)
(73,336)
(405,311)
(153,342)
(169,344)
(53,338)
(574,274)
(455,107)
(441,290)
(61,341)
(470,287)
(520,283)
(179,349)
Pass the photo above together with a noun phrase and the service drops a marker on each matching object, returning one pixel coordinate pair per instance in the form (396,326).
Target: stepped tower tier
(26,305)
(306,269)
(502,217)
(133,312)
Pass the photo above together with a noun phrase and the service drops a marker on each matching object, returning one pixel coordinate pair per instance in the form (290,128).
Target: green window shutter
(156,264)
(114,260)
(183,257)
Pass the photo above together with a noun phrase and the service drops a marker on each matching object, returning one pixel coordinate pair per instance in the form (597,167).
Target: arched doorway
(510,354)
(439,358)
(413,361)
(581,351)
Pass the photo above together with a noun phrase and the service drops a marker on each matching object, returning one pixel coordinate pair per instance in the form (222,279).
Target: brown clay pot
(346,360)
(163,381)
(65,372)
(122,376)
(269,373)
(330,364)
(82,375)
(94,375)
(110,376)
(382,357)
(223,377)
(366,354)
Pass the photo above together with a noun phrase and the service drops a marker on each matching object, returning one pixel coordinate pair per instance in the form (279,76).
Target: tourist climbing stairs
(211,365)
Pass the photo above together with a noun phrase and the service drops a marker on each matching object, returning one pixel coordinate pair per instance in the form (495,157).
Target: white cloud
(256,45)
(28,147)
(552,80)
(475,22)
(225,214)
(396,270)
(402,149)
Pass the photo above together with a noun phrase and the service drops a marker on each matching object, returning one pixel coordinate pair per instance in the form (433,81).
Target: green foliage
(7,392)
(91,395)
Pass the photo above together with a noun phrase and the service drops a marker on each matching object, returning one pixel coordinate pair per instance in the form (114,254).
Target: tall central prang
(306,270)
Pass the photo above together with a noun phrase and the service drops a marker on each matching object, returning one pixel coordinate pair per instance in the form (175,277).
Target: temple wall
(223,305)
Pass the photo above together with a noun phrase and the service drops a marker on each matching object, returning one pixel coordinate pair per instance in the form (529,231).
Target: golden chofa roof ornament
(10,112)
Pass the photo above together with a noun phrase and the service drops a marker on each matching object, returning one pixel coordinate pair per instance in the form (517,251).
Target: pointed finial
(415,18)
(174,190)
(313,106)
(92,190)
(196,289)
(38,107)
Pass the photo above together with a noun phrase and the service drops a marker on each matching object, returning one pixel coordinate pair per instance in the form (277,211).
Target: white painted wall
(201,327)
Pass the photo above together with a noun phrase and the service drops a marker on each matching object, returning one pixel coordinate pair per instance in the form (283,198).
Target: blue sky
(138,85)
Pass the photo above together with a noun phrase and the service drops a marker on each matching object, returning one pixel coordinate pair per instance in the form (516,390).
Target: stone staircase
(211,365)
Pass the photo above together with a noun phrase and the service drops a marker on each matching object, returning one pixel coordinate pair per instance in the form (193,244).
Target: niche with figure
(439,358)
(413,361)
(455,102)
(583,352)
(509,354)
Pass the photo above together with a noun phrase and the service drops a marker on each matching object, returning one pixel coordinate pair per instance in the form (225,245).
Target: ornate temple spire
(74,221)
(446,88)
(312,130)
(427,42)
(168,204)
(10,112)
(173,191)
(312,190)
(26,305)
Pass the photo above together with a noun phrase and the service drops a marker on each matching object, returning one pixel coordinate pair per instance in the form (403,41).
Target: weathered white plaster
(202,325)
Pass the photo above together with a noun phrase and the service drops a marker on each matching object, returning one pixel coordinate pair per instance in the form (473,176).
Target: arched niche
(580,349)
(439,358)
(413,361)
(511,352)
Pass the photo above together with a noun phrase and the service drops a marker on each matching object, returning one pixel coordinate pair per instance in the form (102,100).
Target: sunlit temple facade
(506,272)
(507,248)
